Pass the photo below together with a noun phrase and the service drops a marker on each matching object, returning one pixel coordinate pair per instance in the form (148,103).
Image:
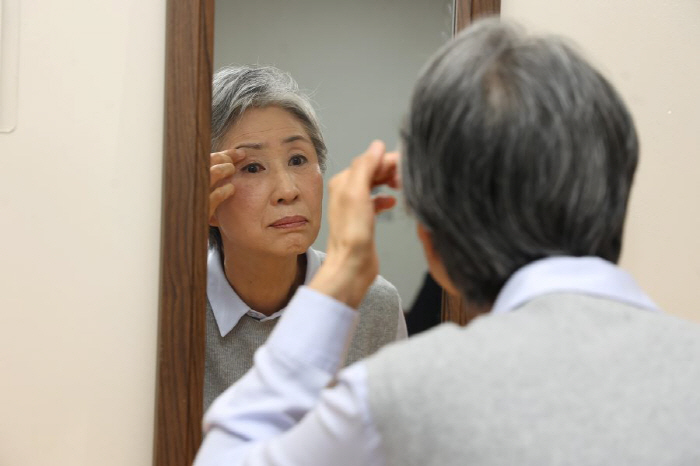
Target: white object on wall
(9,61)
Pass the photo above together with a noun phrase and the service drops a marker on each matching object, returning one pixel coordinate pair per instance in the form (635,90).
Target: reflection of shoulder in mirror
(381,320)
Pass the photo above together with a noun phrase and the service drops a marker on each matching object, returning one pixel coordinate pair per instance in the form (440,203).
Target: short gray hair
(235,89)
(515,149)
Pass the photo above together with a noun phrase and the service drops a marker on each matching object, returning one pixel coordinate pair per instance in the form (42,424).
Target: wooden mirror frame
(184,224)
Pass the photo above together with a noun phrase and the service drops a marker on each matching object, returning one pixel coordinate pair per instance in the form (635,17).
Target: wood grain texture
(181,337)
(467,11)
(456,309)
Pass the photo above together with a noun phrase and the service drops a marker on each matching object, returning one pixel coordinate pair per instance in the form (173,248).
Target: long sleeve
(280,413)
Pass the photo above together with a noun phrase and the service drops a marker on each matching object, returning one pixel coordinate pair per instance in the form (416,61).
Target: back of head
(515,149)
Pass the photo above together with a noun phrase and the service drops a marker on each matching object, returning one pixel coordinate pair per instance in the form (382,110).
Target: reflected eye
(297,160)
(253,168)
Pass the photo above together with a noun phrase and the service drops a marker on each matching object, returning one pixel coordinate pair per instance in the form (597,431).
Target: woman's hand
(221,169)
(351,263)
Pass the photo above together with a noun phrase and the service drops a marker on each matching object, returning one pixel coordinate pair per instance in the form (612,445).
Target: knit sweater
(229,357)
(566,379)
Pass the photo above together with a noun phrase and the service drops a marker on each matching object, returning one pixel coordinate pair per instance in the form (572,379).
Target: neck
(265,283)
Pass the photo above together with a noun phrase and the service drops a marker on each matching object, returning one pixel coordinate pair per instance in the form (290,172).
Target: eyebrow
(250,145)
(259,145)
(297,137)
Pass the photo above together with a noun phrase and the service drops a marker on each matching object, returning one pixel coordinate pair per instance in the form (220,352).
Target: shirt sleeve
(280,412)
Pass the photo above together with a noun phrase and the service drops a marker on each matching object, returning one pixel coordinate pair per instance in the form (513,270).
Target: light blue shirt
(228,308)
(282,413)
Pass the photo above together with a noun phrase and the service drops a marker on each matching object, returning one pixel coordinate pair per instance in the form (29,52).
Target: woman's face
(276,207)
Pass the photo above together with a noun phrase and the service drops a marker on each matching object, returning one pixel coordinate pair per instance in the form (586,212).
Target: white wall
(651,53)
(80,197)
(360,59)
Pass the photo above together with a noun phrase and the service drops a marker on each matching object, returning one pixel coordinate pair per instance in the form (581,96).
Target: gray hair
(235,89)
(515,149)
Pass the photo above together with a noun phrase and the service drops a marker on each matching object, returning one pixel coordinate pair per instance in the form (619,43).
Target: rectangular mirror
(359,60)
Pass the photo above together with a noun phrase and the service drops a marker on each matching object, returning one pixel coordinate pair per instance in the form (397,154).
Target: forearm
(301,357)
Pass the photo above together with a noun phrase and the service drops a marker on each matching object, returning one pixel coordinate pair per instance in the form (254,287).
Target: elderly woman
(265,212)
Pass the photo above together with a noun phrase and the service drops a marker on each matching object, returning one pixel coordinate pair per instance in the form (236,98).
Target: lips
(293,221)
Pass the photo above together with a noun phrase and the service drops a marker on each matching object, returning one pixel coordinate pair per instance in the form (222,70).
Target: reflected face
(276,207)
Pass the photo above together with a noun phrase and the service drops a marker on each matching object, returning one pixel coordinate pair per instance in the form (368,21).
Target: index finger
(227,156)
(388,171)
(364,167)
(236,155)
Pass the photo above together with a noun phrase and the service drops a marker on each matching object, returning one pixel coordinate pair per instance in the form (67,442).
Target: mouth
(294,221)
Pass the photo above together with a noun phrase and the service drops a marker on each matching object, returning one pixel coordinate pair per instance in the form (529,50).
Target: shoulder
(436,340)
(557,329)
(380,292)
(413,358)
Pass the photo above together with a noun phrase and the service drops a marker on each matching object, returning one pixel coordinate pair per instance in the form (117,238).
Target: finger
(338,180)
(236,155)
(387,171)
(218,158)
(227,156)
(218,173)
(363,167)
(383,202)
(218,196)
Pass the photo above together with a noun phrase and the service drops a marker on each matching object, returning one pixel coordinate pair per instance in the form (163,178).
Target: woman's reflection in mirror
(266,178)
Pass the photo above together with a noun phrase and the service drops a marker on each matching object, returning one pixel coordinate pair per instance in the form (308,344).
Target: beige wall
(80,202)
(80,192)
(651,53)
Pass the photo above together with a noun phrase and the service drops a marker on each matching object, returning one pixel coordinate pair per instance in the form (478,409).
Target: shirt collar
(227,306)
(587,275)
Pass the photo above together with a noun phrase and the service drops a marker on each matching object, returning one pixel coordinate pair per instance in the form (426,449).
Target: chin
(291,246)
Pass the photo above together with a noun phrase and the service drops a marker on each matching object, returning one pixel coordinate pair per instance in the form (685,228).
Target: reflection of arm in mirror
(265,212)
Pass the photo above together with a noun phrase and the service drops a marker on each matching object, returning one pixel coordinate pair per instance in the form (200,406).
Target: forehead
(264,124)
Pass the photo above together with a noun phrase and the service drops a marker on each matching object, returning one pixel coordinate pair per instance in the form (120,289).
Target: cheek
(244,208)
(314,191)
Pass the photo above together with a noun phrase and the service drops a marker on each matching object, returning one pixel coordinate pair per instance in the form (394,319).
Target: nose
(286,189)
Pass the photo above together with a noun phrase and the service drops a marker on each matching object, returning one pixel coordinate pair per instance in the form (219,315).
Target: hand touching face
(274,206)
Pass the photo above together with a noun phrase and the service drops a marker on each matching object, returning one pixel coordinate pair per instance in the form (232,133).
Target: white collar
(228,307)
(587,275)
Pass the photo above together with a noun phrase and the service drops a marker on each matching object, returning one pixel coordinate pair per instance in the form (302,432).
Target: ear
(435,264)
(214,221)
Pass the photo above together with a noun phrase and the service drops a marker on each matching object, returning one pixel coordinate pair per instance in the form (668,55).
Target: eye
(253,168)
(298,160)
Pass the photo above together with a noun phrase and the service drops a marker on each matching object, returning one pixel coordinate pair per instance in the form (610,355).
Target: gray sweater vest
(228,358)
(564,380)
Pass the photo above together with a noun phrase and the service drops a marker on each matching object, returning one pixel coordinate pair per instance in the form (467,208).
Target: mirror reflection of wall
(359,60)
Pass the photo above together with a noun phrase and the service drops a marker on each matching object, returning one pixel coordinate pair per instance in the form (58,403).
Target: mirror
(359,60)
